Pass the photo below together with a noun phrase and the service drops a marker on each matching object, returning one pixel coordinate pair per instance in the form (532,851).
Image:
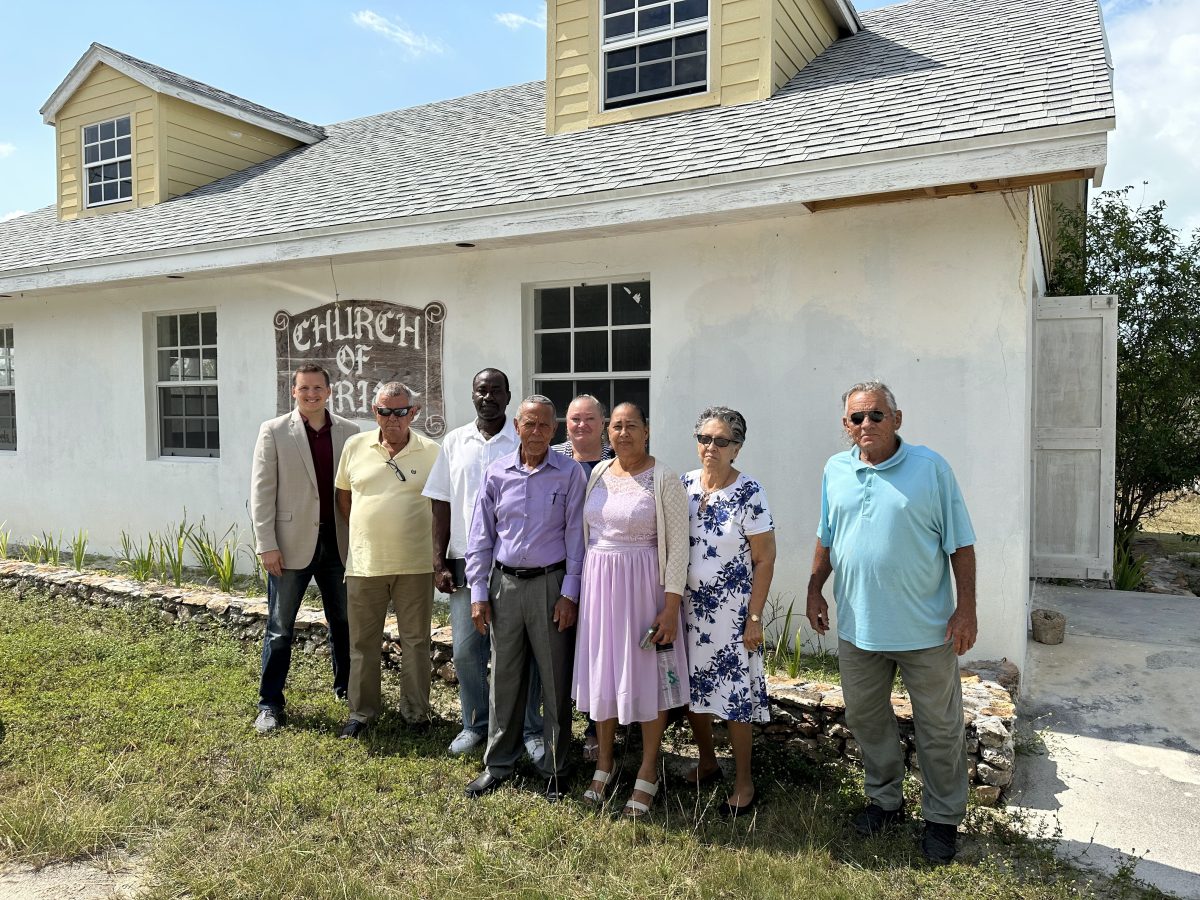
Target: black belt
(531,573)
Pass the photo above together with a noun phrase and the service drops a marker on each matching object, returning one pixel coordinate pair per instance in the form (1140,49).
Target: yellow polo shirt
(391,523)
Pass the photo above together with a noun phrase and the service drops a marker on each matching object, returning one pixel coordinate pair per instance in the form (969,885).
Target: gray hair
(871,387)
(731,417)
(540,400)
(596,400)
(395,389)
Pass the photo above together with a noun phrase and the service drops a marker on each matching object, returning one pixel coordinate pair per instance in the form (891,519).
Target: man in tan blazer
(298,532)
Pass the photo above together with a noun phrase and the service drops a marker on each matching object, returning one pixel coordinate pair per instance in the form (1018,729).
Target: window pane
(110,171)
(123,147)
(110,190)
(172,401)
(687,10)
(166,359)
(214,435)
(552,353)
(619,58)
(561,392)
(193,404)
(6,403)
(189,329)
(123,123)
(208,328)
(210,401)
(618,26)
(552,308)
(654,77)
(591,351)
(591,305)
(91,154)
(656,50)
(208,366)
(190,363)
(616,6)
(168,331)
(631,303)
(125,189)
(657,17)
(631,350)
(633,390)
(108,149)
(692,43)
(125,168)
(690,69)
(620,84)
(193,431)
(91,134)
(107,131)
(600,388)
(95,194)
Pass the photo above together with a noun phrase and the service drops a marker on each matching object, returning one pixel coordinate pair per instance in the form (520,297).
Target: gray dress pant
(932,680)
(523,626)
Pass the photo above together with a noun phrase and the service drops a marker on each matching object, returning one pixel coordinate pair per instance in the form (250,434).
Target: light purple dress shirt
(527,519)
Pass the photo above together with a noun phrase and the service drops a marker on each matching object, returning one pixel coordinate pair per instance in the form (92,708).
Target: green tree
(1117,248)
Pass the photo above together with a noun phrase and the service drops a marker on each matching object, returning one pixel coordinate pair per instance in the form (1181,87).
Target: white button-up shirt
(456,476)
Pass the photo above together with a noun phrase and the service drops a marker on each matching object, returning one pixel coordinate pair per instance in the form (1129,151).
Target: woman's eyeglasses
(705,439)
(874,415)
(386,411)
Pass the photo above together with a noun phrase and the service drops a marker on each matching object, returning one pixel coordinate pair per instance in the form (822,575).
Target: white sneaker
(536,748)
(466,740)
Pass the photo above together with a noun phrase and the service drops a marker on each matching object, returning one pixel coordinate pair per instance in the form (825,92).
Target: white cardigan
(671,519)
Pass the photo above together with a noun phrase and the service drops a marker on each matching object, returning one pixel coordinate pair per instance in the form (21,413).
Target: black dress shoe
(353,729)
(556,789)
(484,784)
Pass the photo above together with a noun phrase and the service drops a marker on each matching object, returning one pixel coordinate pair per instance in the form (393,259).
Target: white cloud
(1156,57)
(7,150)
(11,215)
(515,21)
(413,43)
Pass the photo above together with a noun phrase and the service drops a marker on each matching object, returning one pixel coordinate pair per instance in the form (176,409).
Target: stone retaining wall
(809,717)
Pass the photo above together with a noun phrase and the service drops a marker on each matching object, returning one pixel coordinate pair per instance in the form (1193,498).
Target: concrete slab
(1116,706)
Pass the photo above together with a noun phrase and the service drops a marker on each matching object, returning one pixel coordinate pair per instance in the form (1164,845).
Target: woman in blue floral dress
(729,574)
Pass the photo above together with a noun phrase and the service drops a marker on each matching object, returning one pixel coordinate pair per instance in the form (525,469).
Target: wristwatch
(755,617)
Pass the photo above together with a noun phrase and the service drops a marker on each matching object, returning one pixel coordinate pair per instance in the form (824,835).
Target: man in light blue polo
(893,527)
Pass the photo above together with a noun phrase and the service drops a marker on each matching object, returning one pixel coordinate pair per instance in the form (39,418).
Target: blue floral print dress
(726,679)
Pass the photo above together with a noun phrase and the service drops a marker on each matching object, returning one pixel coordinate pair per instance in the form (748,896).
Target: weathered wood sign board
(365,343)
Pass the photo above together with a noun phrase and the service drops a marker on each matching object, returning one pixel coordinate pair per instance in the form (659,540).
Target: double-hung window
(8,399)
(108,161)
(186,361)
(653,49)
(592,339)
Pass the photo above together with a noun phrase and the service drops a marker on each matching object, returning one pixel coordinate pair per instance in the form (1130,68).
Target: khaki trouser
(367,599)
(931,678)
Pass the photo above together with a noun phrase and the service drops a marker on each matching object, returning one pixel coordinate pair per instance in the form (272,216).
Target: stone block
(993,776)
(987,795)
(992,731)
(997,757)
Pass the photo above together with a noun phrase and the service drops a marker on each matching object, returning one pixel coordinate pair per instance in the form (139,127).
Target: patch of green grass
(116,732)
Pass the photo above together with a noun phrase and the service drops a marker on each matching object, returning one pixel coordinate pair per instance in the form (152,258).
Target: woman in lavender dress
(729,575)
(636,526)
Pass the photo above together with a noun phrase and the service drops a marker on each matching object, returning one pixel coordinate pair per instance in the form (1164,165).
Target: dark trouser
(523,627)
(931,678)
(284,593)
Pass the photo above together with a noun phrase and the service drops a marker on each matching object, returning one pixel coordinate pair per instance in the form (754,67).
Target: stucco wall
(775,318)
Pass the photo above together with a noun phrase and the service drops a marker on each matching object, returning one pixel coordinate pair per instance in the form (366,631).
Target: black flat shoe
(353,729)
(555,789)
(732,812)
(485,783)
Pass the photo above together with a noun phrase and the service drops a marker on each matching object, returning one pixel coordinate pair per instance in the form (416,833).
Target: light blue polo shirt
(890,529)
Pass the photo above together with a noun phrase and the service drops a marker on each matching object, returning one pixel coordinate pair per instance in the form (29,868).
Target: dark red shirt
(321,445)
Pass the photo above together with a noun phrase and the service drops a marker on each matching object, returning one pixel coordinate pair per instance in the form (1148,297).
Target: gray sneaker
(268,720)
(535,748)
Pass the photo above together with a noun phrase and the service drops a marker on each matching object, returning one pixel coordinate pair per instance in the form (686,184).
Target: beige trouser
(367,600)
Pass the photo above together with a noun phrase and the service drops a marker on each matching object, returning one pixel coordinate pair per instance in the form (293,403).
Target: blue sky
(327,60)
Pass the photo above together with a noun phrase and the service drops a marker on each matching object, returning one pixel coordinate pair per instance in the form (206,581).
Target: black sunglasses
(874,415)
(705,439)
(391,464)
(386,411)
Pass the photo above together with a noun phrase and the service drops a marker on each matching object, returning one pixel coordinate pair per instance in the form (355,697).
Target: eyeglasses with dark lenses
(391,464)
(386,411)
(705,439)
(874,415)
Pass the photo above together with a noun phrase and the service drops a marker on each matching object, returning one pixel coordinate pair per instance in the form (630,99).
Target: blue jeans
(284,594)
(471,653)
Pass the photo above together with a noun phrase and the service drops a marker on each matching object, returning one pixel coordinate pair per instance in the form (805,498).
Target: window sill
(654,108)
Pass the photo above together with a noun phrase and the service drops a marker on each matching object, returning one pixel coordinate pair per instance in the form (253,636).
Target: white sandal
(597,797)
(635,809)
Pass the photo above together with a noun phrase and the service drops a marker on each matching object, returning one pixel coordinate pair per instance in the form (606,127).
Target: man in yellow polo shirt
(379,482)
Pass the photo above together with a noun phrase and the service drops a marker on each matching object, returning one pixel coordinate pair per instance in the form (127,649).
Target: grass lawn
(1175,525)
(116,733)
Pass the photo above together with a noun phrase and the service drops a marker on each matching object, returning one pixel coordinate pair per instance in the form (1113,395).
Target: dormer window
(108,162)
(653,49)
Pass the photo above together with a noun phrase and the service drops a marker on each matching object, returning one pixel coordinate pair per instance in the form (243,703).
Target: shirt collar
(326,427)
(508,432)
(556,460)
(894,460)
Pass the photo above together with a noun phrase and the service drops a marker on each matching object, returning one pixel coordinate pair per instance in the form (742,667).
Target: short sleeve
(756,515)
(825,525)
(955,522)
(437,486)
(342,480)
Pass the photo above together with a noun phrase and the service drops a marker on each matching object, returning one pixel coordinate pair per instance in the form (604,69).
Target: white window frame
(116,160)
(8,382)
(610,374)
(648,36)
(205,377)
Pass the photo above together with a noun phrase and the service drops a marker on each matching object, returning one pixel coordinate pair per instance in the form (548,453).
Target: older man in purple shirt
(524,561)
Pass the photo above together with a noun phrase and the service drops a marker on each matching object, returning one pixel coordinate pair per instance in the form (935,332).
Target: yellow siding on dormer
(755,47)
(106,94)
(200,146)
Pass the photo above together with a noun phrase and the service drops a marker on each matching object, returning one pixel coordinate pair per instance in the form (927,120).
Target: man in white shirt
(453,486)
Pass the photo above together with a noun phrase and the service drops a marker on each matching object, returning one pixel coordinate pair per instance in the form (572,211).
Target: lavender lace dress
(620,598)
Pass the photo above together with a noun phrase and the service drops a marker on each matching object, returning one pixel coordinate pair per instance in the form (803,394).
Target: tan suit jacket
(284,504)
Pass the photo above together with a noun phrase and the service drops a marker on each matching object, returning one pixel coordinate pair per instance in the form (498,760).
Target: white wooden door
(1074,436)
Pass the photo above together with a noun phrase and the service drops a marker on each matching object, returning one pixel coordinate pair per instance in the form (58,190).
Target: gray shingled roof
(920,73)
